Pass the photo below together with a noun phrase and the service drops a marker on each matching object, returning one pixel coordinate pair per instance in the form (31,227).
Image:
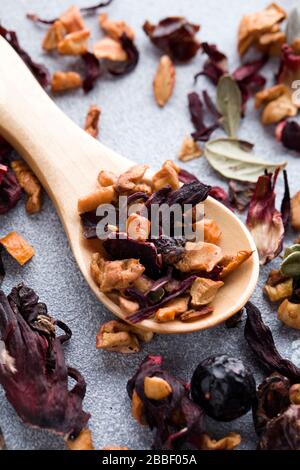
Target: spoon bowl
(67,160)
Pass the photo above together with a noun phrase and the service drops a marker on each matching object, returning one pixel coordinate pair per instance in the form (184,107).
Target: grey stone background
(133,125)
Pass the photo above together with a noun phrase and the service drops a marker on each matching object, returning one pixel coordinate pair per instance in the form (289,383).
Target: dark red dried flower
(176,419)
(203,132)
(92,71)
(40,72)
(248,78)
(33,372)
(260,340)
(174,35)
(288,132)
(240,194)
(127,66)
(289,68)
(220,195)
(216,65)
(264,221)
(283,432)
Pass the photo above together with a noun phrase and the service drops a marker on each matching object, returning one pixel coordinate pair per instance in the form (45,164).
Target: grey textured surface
(133,125)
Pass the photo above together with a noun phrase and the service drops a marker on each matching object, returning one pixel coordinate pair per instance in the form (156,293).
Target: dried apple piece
(189,150)
(115,29)
(72,19)
(74,43)
(110,49)
(30,184)
(17,247)
(91,125)
(62,81)
(233,262)
(54,36)
(164,81)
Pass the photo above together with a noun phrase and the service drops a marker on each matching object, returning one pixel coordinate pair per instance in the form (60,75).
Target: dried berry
(288,132)
(175,36)
(34,374)
(224,387)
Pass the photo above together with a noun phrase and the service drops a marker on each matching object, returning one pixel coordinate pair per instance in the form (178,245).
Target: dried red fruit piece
(34,375)
(162,401)
(40,72)
(175,36)
(264,221)
(248,78)
(10,191)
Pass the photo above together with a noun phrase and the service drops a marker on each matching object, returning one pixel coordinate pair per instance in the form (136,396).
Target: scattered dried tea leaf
(228,442)
(74,43)
(83,441)
(62,81)
(293,26)
(17,247)
(196,108)
(40,72)
(189,150)
(53,36)
(30,184)
(164,80)
(110,49)
(115,29)
(234,160)
(91,125)
(229,103)
(35,363)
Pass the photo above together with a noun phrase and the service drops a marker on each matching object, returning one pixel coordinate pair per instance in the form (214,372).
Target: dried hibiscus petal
(248,78)
(289,68)
(164,405)
(175,36)
(264,221)
(10,191)
(216,65)
(282,432)
(240,194)
(260,340)
(196,108)
(40,72)
(34,375)
(92,71)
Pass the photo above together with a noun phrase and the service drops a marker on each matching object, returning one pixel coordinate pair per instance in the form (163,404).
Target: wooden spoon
(67,160)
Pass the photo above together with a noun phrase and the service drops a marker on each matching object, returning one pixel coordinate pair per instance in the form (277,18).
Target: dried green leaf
(293,26)
(233,159)
(229,104)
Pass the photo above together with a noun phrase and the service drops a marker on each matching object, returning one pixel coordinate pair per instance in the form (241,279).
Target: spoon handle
(64,157)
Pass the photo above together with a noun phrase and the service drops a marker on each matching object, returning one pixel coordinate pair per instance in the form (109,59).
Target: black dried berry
(224,387)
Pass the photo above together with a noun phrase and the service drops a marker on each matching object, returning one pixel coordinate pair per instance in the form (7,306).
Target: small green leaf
(293,26)
(229,104)
(291,249)
(290,266)
(234,160)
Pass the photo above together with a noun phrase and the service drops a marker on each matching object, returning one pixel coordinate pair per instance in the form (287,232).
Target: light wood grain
(67,160)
